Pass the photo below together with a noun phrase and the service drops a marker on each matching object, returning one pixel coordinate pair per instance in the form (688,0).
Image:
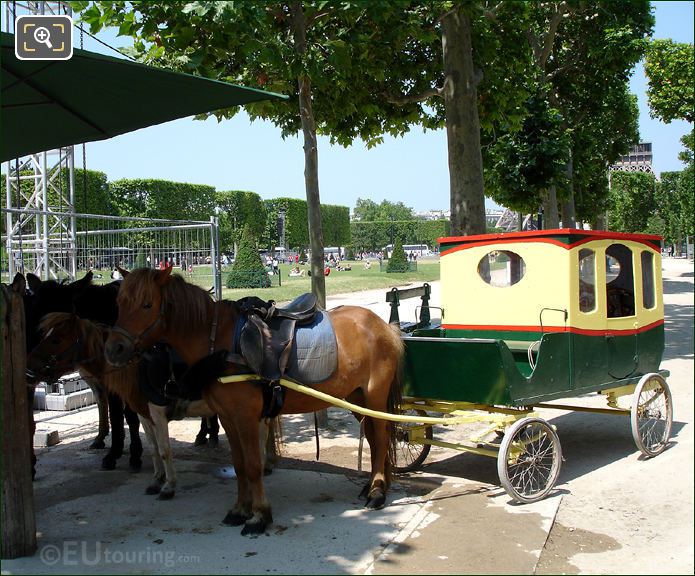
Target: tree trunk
(467,193)
(519,221)
(311,172)
(599,223)
(18,519)
(551,218)
(311,160)
(568,214)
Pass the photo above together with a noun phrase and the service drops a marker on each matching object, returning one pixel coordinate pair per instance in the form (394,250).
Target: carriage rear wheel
(410,450)
(529,460)
(651,415)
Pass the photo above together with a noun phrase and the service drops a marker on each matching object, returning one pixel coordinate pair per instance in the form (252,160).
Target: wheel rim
(652,415)
(410,452)
(529,460)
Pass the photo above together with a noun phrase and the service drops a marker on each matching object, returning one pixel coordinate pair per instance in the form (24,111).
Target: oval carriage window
(501,268)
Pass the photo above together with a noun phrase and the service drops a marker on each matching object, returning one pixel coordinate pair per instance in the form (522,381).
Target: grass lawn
(355,280)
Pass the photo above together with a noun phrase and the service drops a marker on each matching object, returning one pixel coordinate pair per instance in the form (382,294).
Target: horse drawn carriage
(529,318)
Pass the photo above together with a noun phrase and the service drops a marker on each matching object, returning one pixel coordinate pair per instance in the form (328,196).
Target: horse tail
(395,396)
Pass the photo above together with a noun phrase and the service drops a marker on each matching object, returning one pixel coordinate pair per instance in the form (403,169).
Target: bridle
(73,353)
(136,340)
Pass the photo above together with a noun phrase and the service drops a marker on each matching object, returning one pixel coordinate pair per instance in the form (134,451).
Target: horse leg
(32,428)
(157,464)
(220,398)
(103,407)
(201,437)
(161,431)
(214,430)
(117,432)
(241,511)
(249,438)
(133,421)
(378,435)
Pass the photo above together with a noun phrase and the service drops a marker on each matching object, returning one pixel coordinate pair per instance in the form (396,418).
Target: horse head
(141,307)
(45,296)
(61,346)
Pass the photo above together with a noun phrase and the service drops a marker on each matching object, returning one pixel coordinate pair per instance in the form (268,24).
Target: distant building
(433,215)
(639,159)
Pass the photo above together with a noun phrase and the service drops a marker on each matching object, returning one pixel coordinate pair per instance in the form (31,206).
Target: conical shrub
(398,261)
(248,270)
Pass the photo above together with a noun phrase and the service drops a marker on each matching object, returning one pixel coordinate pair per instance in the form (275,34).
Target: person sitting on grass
(367,265)
(296,271)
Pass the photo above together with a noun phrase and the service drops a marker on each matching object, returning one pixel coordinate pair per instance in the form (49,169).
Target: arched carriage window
(501,268)
(648,288)
(587,280)
(620,282)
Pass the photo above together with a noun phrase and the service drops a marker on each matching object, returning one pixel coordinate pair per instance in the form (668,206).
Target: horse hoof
(214,441)
(250,528)
(376,500)
(135,464)
(97,445)
(200,441)
(166,494)
(108,463)
(153,489)
(267,471)
(234,518)
(365,491)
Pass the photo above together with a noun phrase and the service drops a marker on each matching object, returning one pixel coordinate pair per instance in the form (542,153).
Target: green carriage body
(480,353)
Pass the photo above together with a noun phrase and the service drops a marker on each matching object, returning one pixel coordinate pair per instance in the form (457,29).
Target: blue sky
(237,154)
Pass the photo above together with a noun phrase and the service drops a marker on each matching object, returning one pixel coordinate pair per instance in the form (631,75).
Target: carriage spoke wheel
(410,450)
(529,460)
(651,414)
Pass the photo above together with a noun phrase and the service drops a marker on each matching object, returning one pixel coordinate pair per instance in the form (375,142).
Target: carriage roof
(560,280)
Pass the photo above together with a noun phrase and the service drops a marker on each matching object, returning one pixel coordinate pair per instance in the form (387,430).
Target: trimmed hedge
(379,233)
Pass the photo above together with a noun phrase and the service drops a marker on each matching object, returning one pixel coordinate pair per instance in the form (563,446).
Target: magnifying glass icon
(43,36)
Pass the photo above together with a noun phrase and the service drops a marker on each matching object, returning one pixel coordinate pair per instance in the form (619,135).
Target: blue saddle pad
(314,353)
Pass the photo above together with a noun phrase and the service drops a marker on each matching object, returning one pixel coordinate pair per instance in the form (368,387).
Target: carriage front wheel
(529,460)
(411,449)
(651,414)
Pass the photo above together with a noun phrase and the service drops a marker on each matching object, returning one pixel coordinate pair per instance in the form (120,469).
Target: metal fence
(101,243)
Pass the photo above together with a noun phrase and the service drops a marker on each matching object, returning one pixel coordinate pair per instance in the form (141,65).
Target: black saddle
(266,339)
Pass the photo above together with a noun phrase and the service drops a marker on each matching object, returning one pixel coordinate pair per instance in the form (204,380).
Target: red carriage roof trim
(554,329)
(547,237)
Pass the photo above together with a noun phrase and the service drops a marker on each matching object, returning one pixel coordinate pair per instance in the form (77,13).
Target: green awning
(49,104)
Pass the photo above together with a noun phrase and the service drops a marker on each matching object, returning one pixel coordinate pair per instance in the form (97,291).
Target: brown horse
(156,305)
(70,343)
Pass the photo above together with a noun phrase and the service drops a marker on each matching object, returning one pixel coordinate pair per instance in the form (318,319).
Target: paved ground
(612,512)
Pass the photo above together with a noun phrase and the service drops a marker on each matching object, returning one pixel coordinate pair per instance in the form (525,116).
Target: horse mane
(184,304)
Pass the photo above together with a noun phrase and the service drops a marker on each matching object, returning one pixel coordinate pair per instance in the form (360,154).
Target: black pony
(98,304)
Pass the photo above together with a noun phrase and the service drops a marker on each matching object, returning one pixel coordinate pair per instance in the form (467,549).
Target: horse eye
(147,306)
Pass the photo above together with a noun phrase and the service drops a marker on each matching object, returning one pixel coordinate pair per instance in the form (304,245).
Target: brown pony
(156,305)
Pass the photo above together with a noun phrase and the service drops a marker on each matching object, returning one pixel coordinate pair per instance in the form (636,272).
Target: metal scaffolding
(41,234)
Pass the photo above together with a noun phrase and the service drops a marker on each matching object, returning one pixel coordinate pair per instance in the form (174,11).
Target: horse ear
(163,277)
(123,271)
(19,284)
(34,282)
(83,282)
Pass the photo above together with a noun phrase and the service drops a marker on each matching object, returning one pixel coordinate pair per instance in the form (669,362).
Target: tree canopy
(671,87)
(367,210)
